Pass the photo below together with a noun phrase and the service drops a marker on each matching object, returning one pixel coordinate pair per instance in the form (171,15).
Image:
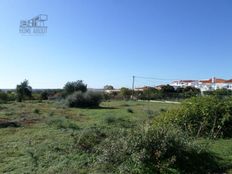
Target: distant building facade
(204,85)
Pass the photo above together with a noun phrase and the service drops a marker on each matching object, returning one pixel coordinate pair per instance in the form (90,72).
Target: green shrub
(87,140)
(36,111)
(119,122)
(130,110)
(11,96)
(163,110)
(3,97)
(203,116)
(110,119)
(63,123)
(44,95)
(35,96)
(153,150)
(87,99)
(125,93)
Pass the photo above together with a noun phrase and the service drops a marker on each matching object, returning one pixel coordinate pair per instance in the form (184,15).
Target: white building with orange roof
(204,85)
(185,83)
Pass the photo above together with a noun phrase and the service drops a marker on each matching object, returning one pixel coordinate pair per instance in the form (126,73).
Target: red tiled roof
(215,81)
(220,81)
(208,81)
(229,81)
(187,81)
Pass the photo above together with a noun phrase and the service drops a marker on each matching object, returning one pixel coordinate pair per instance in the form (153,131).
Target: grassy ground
(222,148)
(44,141)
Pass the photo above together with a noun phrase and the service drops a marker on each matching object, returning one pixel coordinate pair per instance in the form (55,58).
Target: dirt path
(159,101)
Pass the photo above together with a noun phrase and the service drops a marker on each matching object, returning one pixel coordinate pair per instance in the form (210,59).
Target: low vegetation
(208,116)
(153,150)
(74,130)
(50,138)
(83,100)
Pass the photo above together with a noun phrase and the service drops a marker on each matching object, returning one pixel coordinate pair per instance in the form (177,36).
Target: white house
(185,83)
(204,85)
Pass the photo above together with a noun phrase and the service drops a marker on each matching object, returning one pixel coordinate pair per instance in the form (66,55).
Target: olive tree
(71,87)
(23,91)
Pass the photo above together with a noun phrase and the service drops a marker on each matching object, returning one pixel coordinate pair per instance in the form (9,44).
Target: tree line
(24,91)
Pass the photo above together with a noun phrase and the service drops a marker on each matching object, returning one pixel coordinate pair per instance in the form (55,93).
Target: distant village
(204,85)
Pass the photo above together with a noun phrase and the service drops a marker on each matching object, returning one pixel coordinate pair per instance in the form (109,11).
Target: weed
(130,110)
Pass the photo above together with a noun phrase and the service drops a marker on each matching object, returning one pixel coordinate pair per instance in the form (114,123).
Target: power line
(154,78)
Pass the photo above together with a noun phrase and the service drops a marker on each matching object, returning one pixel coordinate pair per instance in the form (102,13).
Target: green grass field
(44,140)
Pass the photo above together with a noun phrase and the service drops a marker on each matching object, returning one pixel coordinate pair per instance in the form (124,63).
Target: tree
(187,92)
(126,93)
(3,97)
(150,94)
(23,91)
(222,92)
(108,87)
(44,95)
(191,92)
(71,87)
(168,91)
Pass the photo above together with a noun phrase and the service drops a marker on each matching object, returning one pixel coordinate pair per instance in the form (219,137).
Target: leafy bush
(167,92)
(5,124)
(130,110)
(87,99)
(44,95)
(63,123)
(152,150)
(89,138)
(221,93)
(3,97)
(119,122)
(125,93)
(203,116)
(36,111)
(110,119)
(11,96)
(35,96)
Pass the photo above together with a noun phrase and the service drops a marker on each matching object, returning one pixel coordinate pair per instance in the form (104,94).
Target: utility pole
(133,86)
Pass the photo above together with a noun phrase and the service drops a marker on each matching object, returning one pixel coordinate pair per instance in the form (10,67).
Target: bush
(110,119)
(153,150)
(11,96)
(3,97)
(168,92)
(35,96)
(87,99)
(63,123)
(44,95)
(87,140)
(130,110)
(36,111)
(203,116)
(219,93)
(125,93)
(119,122)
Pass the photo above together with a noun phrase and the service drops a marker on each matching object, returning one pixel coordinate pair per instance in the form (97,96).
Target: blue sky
(108,41)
